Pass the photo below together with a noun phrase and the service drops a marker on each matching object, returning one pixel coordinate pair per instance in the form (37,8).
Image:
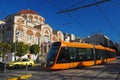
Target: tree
(1,51)
(5,48)
(13,49)
(20,49)
(34,49)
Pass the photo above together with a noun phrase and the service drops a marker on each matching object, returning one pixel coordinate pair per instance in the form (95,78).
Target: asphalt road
(109,71)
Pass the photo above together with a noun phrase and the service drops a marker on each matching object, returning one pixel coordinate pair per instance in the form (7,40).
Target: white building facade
(29,27)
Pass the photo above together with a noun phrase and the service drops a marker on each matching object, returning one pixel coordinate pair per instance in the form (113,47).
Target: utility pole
(85,6)
(16,42)
(1,31)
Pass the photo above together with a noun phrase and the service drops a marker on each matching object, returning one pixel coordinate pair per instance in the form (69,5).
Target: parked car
(21,63)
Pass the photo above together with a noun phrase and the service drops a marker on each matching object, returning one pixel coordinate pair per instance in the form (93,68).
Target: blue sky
(84,22)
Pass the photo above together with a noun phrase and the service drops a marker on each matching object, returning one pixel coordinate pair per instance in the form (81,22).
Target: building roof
(27,12)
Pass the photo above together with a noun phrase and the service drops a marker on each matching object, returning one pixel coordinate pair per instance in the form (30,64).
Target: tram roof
(84,45)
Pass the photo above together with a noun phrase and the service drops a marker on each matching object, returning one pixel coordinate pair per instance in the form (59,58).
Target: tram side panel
(72,56)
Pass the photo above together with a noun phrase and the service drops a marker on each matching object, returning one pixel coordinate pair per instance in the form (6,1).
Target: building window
(20,33)
(24,16)
(30,18)
(29,37)
(37,40)
(36,18)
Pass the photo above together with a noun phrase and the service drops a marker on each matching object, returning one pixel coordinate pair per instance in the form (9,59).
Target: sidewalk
(17,76)
(20,76)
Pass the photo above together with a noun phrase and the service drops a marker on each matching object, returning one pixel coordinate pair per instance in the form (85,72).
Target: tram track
(111,71)
(98,72)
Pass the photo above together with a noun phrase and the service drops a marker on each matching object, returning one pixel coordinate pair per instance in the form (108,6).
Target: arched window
(40,19)
(29,35)
(25,16)
(46,35)
(36,18)
(37,37)
(30,18)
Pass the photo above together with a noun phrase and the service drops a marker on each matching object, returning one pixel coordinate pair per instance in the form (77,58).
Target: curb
(36,65)
(18,77)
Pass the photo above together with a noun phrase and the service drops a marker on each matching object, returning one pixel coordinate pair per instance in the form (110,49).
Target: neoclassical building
(29,27)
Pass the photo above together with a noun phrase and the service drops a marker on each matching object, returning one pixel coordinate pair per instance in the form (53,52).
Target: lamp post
(1,39)
(16,41)
(1,31)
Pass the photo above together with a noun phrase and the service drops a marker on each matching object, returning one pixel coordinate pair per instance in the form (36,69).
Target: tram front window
(52,53)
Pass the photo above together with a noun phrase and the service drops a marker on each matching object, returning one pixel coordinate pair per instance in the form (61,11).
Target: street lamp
(16,41)
(1,31)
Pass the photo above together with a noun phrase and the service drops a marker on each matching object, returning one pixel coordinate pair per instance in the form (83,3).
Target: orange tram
(66,55)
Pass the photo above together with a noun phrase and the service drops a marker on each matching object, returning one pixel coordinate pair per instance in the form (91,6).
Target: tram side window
(89,54)
(104,54)
(114,54)
(111,54)
(108,54)
(63,56)
(100,54)
(81,54)
(72,52)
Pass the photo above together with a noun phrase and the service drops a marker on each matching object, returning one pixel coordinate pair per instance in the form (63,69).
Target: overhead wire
(69,15)
(85,6)
(78,3)
(99,8)
(107,19)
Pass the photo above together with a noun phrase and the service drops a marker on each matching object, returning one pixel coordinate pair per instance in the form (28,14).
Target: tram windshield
(52,53)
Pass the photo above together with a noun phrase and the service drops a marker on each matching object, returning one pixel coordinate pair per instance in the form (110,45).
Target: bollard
(26,68)
(4,69)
